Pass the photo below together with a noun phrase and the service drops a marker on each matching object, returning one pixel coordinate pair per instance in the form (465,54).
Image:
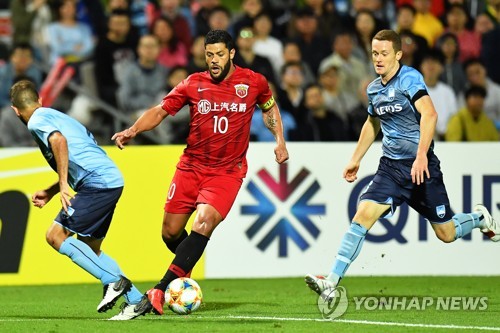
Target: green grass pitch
(258,305)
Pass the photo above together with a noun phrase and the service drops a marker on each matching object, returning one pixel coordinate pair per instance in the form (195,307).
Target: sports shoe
(131,311)
(157,299)
(492,229)
(318,283)
(113,291)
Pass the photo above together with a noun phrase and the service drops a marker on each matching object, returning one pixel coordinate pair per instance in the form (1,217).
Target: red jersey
(221,115)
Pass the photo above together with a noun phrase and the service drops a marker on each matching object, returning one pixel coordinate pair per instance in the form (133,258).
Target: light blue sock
(349,249)
(83,256)
(464,223)
(134,295)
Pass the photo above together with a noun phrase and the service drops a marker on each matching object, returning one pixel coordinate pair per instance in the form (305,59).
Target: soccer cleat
(113,291)
(318,284)
(157,299)
(492,229)
(131,311)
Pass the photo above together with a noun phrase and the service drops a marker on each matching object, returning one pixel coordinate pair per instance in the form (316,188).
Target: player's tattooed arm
(271,122)
(271,119)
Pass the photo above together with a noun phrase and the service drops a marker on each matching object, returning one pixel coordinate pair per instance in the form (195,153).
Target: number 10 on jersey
(220,124)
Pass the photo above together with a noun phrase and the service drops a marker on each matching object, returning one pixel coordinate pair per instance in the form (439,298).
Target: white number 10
(220,124)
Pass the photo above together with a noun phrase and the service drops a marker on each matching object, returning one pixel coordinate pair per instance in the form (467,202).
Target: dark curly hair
(219,36)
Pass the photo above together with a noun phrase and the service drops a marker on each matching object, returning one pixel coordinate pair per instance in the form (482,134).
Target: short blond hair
(23,94)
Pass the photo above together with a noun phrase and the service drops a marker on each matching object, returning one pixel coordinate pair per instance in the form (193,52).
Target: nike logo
(202,89)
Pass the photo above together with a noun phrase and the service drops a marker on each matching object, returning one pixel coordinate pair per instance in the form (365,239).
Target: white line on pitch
(367,322)
(349,321)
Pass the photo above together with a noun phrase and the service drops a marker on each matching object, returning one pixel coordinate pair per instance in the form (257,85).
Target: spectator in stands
(365,26)
(471,123)
(24,15)
(172,10)
(112,5)
(93,14)
(453,73)
(113,53)
(220,19)
(249,10)
(292,53)
(197,62)
(4,53)
(137,11)
(246,57)
(473,8)
(20,65)
(67,38)
(490,53)
(29,20)
(448,4)
(483,24)
(143,80)
(437,6)
(469,42)
(337,100)
(125,6)
(138,15)
(201,17)
(329,21)
(357,116)
(258,130)
(442,95)
(14,132)
(266,45)
(172,51)
(476,75)
(383,12)
(314,46)
(176,128)
(493,11)
(322,124)
(351,69)
(291,94)
(426,23)
(412,55)
(174,77)
(405,19)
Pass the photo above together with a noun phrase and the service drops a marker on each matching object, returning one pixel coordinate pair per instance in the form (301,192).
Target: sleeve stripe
(419,94)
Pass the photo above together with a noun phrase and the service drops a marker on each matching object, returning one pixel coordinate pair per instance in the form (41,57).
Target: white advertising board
(289,220)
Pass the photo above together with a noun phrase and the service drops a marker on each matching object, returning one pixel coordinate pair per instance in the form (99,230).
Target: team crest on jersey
(391,94)
(241,90)
(440,211)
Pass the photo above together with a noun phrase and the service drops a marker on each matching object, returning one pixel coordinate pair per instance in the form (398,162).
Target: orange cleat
(157,299)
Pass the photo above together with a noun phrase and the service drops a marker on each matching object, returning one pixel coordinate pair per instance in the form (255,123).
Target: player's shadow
(217,306)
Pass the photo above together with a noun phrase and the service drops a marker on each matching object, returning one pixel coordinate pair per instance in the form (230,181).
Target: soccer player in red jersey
(211,169)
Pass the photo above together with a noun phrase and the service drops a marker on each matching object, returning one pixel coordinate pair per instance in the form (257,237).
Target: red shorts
(191,187)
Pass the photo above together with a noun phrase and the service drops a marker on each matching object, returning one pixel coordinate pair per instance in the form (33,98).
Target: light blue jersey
(394,104)
(89,166)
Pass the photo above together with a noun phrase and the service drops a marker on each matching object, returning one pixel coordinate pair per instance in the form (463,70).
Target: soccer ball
(183,296)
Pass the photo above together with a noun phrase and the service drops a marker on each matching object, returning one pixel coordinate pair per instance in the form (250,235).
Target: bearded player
(211,169)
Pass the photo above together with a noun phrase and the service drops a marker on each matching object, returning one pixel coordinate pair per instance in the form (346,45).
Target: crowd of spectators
(315,54)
